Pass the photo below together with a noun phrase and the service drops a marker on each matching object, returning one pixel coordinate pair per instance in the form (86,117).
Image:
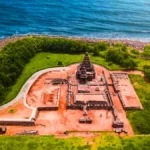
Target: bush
(120,46)
(114,55)
(129,63)
(146,51)
(102,46)
(147,71)
(110,64)
(134,51)
(96,51)
(121,58)
(124,48)
(59,63)
(12,110)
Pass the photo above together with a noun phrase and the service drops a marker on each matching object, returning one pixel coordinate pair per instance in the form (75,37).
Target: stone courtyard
(80,97)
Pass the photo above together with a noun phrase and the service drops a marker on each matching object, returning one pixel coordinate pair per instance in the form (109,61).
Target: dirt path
(136,72)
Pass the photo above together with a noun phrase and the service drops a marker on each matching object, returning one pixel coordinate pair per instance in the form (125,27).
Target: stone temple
(85,70)
(80,97)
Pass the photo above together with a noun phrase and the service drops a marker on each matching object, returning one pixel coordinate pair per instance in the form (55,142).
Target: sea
(108,19)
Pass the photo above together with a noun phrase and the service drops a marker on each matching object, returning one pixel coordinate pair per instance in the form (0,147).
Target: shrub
(12,110)
(102,46)
(96,51)
(59,63)
(134,51)
(124,48)
(110,64)
(129,63)
(147,71)
(146,51)
(120,57)
(114,55)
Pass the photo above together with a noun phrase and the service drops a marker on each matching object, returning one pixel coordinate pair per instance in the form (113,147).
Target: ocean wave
(94,36)
(95,19)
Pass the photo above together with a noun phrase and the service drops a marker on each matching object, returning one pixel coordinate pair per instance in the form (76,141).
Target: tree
(114,55)
(146,51)
(120,57)
(96,51)
(147,71)
(2,92)
(102,46)
(129,63)
(59,63)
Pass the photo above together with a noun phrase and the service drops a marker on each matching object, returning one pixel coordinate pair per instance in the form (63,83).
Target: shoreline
(139,45)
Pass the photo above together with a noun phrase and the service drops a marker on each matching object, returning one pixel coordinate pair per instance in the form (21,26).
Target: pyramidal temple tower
(85,71)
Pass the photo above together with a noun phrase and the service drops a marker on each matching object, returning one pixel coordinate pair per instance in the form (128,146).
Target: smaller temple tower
(85,71)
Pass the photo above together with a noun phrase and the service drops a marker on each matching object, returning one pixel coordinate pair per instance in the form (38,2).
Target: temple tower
(85,71)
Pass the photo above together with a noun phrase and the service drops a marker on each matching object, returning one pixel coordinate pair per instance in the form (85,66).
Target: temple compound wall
(84,89)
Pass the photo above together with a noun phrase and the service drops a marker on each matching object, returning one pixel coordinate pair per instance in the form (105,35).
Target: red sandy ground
(57,122)
(36,96)
(121,112)
(128,93)
(22,112)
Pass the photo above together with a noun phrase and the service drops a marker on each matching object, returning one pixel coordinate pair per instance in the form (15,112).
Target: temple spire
(85,70)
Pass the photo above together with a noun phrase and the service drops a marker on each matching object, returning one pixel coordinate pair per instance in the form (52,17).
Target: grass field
(141,63)
(105,141)
(48,60)
(140,120)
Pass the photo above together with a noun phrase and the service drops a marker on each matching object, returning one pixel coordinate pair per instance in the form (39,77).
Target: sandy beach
(135,44)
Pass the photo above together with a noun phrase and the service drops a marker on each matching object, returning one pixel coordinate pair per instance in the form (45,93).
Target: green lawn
(41,143)
(140,120)
(105,141)
(141,63)
(48,60)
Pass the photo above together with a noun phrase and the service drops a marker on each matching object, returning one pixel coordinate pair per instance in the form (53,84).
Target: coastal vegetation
(146,51)
(14,57)
(122,57)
